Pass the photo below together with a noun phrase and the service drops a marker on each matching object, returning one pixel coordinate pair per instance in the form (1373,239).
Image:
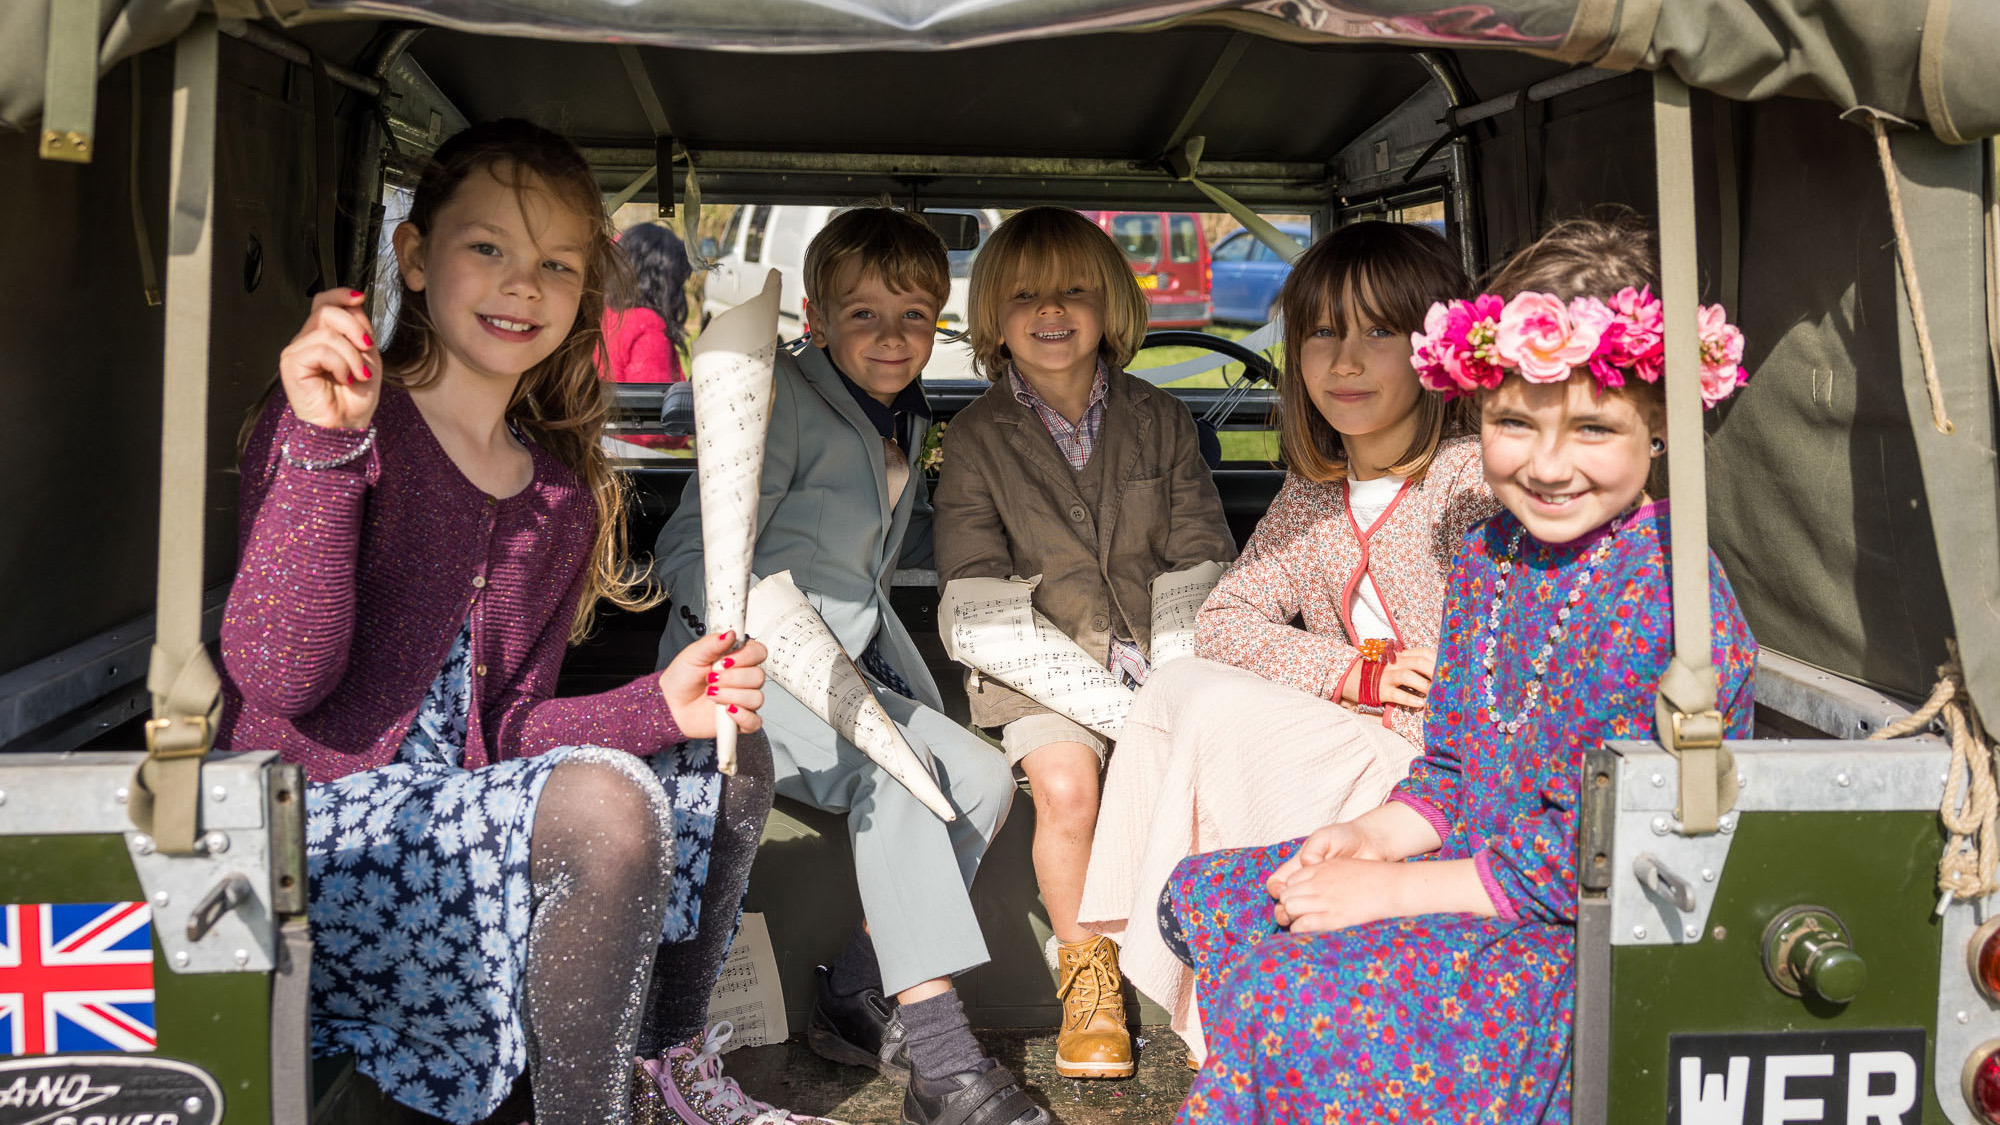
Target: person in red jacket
(647,342)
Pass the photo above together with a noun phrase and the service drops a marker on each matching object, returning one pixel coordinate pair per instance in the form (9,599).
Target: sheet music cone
(807,660)
(730,368)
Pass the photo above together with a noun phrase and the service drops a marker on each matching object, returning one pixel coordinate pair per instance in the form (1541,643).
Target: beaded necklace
(1531,698)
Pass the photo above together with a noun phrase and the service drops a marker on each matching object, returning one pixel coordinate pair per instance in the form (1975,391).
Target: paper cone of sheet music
(807,661)
(1177,598)
(730,368)
(991,625)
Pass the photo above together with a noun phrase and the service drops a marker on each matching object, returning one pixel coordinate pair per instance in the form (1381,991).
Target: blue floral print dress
(420,903)
(1454,1017)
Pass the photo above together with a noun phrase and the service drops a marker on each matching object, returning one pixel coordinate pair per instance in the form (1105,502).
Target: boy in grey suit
(842,507)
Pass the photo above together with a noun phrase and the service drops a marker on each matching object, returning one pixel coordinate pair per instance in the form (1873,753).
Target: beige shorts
(1030,733)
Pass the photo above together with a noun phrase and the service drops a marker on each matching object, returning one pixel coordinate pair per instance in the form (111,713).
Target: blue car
(1248,275)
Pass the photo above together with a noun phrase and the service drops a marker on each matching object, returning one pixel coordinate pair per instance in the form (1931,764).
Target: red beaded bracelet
(1376,655)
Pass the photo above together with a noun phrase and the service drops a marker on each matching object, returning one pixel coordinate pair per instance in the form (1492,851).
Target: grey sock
(856,969)
(940,1039)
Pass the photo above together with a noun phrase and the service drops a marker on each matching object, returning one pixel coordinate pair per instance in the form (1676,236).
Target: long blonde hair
(1042,250)
(560,403)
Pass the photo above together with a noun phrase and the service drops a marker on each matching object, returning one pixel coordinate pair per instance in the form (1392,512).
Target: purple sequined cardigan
(353,581)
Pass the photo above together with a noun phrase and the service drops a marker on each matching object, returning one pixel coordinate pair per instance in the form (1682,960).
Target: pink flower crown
(1471,345)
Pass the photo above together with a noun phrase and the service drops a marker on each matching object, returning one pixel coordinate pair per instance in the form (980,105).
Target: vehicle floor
(790,1076)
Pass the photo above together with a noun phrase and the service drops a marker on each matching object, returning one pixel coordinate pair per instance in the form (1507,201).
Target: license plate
(1149,280)
(1875,1075)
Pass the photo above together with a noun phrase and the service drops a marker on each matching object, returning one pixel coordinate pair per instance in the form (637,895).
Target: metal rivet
(1963,1017)
(191,1105)
(1742,782)
(1659,781)
(142,843)
(3,796)
(1728,824)
(1691,931)
(161,899)
(180,959)
(1639,932)
(1708,874)
(242,958)
(1659,826)
(1720,932)
(218,794)
(1843,780)
(215,843)
(121,794)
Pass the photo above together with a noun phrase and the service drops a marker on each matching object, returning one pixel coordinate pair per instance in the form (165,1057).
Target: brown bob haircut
(896,246)
(1046,250)
(1595,255)
(1364,274)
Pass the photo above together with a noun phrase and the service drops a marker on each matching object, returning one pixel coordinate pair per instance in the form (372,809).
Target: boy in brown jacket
(1069,468)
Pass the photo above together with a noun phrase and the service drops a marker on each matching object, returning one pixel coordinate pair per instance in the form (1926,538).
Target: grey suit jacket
(823,513)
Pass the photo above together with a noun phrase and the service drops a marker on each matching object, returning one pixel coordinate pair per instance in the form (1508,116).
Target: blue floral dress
(1453,1017)
(419,901)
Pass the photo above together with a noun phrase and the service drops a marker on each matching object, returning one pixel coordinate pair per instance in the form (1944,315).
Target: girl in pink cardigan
(424,527)
(1277,729)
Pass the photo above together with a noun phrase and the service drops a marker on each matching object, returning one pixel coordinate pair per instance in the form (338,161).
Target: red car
(1169,256)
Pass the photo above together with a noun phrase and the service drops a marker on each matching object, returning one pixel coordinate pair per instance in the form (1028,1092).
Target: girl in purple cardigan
(424,528)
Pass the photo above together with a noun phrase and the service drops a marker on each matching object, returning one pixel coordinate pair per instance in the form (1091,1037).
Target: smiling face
(1054,335)
(1359,378)
(879,337)
(1562,458)
(502,272)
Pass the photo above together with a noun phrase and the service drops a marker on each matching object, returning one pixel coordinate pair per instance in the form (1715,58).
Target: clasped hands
(1349,874)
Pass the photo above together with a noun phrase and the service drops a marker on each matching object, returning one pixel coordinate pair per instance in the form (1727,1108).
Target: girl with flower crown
(1343,984)
(1283,727)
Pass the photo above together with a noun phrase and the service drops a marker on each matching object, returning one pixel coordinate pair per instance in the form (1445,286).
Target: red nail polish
(732,708)
(714,676)
(354,292)
(729,662)
(711,691)
(367,341)
(366,374)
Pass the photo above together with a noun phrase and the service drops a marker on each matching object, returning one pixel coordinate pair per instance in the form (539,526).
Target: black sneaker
(985,1095)
(859,1030)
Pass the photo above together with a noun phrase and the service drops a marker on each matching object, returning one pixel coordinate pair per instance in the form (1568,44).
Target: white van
(762,237)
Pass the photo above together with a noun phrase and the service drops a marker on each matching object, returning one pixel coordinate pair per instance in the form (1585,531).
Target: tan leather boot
(1093,1042)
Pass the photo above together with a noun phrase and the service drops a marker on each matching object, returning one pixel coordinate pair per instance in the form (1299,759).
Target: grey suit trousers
(913,869)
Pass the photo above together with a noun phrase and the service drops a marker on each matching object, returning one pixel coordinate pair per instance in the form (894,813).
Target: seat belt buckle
(164,742)
(1699,731)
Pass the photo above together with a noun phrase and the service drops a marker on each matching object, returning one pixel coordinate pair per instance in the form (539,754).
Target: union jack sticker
(76,977)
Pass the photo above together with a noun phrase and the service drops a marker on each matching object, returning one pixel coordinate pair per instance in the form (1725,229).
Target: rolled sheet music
(730,368)
(1177,599)
(991,625)
(807,660)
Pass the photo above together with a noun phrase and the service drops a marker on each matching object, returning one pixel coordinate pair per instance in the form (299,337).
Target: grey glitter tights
(685,973)
(600,862)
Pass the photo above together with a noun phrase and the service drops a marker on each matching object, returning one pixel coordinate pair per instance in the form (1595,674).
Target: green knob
(1823,962)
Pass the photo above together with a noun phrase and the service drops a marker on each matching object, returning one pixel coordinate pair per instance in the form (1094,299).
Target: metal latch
(233,891)
(1662,883)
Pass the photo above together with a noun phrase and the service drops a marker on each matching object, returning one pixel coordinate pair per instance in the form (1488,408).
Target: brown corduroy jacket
(1008,505)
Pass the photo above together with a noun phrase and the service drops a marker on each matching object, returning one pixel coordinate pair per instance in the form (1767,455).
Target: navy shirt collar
(887,420)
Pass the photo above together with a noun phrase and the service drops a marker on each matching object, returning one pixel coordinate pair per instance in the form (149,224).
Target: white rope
(1907,257)
(1971,801)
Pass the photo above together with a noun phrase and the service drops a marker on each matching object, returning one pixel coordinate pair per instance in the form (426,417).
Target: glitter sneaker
(696,1092)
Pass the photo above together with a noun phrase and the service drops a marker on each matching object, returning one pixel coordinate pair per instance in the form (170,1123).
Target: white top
(1369,499)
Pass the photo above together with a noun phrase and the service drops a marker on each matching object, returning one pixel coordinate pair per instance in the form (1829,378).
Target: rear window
(1186,245)
(1236,248)
(753,246)
(961,260)
(1138,237)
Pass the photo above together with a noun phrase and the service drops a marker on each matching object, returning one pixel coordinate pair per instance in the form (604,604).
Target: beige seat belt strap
(186,691)
(1690,726)
(69,84)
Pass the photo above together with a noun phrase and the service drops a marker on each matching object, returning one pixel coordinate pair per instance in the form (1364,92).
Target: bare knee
(1066,789)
